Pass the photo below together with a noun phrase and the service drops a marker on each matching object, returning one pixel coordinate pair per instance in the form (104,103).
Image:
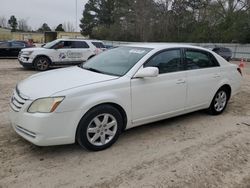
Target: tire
(91,57)
(42,63)
(99,128)
(27,67)
(219,102)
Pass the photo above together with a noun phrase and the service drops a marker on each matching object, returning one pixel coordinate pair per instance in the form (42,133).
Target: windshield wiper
(92,69)
(98,71)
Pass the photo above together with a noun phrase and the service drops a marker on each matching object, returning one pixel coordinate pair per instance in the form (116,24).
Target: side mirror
(147,72)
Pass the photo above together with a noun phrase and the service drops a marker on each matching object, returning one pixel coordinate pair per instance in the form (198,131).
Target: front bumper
(25,61)
(45,129)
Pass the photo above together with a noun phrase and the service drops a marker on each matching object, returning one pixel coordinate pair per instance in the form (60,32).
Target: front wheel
(219,103)
(99,128)
(42,63)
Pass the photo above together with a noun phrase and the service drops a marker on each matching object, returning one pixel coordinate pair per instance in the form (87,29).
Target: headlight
(27,53)
(45,105)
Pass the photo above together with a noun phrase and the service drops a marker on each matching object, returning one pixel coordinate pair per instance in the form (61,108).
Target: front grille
(17,101)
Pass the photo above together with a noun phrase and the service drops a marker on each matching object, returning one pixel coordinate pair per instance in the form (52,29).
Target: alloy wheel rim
(102,129)
(220,101)
(42,64)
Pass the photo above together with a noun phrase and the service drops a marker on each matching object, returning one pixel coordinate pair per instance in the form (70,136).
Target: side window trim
(181,64)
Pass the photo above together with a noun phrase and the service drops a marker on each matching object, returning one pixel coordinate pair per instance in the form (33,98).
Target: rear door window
(197,59)
(79,44)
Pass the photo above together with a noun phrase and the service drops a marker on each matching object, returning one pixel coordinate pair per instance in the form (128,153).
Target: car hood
(48,83)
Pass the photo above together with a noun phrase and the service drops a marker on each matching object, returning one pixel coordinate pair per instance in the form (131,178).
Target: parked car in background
(98,44)
(27,43)
(109,46)
(11,49)
(119,89)
(226,53)
(60,52)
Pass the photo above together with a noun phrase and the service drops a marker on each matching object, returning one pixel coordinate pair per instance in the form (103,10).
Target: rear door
(203,74)
(81,51)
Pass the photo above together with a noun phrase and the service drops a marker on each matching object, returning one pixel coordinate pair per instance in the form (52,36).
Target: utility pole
(76,16)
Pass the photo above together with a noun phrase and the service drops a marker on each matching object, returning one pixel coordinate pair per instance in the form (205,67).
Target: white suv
(60,52)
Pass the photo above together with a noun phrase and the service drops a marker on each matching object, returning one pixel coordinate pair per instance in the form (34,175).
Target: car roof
(159,46)
(86,40)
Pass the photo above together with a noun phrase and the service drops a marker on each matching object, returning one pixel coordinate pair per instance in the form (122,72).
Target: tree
(3,21)
(13,23)
(59,28)
(167,20)
(23,25)
(68,27)
(90,17)
(44,28)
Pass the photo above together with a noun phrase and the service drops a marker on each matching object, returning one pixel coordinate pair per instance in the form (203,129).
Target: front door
(158,97)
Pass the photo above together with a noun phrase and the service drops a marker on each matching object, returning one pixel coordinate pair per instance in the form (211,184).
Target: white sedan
(119,89)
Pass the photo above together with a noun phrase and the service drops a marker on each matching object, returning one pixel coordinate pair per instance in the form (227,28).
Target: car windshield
(50,44)
(117,61)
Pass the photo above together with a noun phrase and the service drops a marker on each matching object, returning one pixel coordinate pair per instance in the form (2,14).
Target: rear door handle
(181,81)
(216,76)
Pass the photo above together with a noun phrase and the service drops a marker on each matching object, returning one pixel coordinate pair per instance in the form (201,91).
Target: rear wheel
(219,102)
(42,63)
(99,128)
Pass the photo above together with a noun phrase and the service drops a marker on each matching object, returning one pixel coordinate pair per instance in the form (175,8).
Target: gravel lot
(194,150)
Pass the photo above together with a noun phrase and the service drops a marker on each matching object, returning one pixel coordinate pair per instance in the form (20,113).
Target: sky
(37,12)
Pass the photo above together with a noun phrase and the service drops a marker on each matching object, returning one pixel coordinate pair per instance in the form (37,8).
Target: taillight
(239,70)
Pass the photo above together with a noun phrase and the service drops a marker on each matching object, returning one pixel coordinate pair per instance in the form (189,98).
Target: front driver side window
(167,61)
(63,45)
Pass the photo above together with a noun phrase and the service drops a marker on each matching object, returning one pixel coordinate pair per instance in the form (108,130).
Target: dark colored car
(27,44)
(12,48)
(226,53)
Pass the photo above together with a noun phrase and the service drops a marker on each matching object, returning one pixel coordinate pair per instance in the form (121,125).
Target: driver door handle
(181,81)
(216,76)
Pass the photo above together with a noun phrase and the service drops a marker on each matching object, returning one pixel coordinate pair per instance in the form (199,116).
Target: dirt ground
(194,150)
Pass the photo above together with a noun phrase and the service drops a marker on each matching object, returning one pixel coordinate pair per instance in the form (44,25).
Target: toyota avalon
(124,87)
